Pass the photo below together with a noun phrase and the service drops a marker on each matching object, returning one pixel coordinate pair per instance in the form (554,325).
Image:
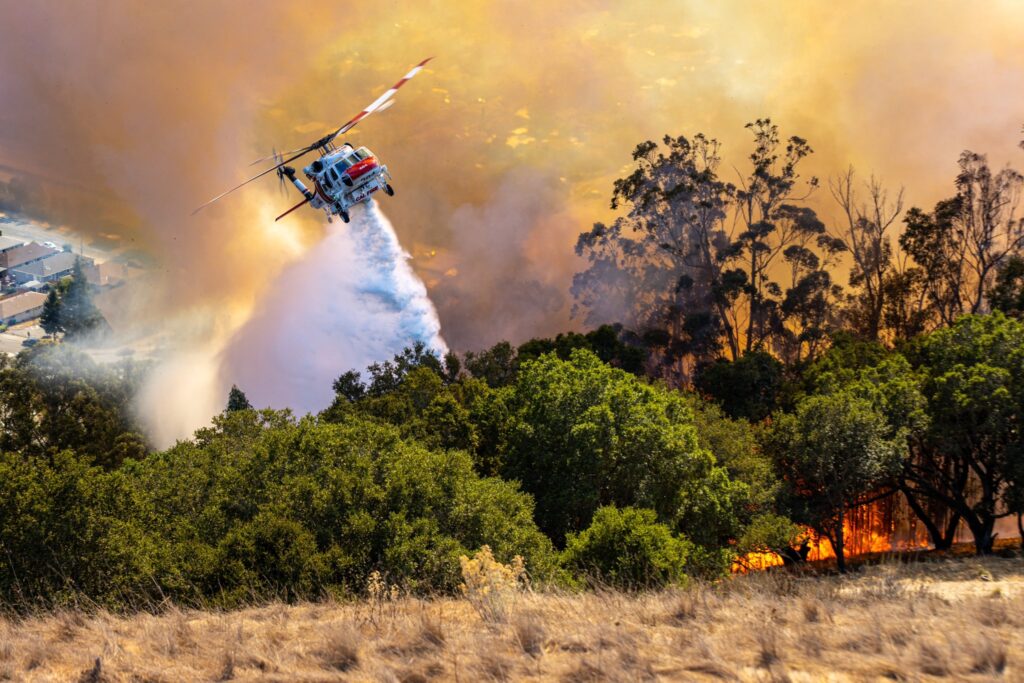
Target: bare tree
(865,235)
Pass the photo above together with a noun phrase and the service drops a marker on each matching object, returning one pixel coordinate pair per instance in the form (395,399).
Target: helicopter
(343,176)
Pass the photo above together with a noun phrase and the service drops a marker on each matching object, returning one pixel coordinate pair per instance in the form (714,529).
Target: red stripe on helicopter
(361,168)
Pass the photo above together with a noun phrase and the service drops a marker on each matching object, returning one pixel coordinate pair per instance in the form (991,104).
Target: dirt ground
(951,619)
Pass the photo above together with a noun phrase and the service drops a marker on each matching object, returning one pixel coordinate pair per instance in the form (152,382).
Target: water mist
(350,301)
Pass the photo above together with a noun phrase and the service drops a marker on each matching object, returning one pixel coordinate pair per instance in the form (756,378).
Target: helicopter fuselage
(345,176)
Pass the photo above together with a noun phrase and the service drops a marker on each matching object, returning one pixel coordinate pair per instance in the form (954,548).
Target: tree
(966,239)
(581,435)
(888,381)
(497,365)
(262,504)
(606,342)
(663,265)
(774,224)
(237,400)
(692,263)
(865,237)
(833,451)
(1007,295)
(79,314)
(973,382)
(50,320)
(748,388)
(53,397)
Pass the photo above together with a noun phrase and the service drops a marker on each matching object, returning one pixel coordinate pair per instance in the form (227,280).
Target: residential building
(47,269)
(24,253)
(105,274)
(21,307)
(8,243)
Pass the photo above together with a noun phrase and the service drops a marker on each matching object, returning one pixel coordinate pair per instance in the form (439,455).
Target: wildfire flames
(882,526)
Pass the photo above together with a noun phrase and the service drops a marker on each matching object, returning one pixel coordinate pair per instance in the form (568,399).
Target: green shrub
(263,505)
(627,548)
(260,506)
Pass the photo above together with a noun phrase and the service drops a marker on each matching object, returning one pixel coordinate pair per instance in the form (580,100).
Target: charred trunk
(981,527)
(838,542)
(952,524)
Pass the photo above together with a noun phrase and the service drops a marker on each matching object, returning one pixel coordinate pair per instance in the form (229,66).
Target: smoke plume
(350,301)
(123,116)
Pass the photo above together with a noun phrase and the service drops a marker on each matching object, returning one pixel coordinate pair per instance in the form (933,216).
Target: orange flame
(882,526)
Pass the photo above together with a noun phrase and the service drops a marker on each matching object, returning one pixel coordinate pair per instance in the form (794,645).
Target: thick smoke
(350,301)
(126,115)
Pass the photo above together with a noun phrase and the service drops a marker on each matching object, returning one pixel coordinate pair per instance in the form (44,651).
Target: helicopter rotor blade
(276,155)
(381,102)
(258,175)
(281,183)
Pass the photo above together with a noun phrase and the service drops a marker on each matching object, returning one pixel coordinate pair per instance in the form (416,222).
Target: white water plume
(350,301)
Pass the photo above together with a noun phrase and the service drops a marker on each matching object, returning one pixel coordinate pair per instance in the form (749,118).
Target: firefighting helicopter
(344,175)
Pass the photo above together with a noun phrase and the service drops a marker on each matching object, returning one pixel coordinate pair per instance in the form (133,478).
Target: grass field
(954,619)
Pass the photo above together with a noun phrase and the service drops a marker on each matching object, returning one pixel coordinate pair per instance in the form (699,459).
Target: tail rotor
(282,183)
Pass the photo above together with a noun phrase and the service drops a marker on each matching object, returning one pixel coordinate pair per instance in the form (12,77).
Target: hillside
(954,619)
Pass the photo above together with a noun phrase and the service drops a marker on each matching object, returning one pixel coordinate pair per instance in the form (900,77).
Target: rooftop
(60,262)
(24,254)
(19,303)
(9,242)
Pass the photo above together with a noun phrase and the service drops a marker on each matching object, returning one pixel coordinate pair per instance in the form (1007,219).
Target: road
(13,226)
(11,341)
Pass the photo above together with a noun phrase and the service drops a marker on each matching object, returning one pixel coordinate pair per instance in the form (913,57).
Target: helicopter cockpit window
(361,153)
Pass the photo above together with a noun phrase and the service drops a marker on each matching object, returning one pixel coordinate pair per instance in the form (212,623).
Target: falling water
(350,301)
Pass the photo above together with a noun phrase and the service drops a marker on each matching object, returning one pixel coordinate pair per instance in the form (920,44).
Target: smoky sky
(502,151)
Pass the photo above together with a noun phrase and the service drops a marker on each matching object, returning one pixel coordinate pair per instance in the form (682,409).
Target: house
(105,274)
(47,269)
(8,243)
(24,253)
(21,307)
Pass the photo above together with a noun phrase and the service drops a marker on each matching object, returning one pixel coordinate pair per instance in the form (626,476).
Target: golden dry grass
(952,620)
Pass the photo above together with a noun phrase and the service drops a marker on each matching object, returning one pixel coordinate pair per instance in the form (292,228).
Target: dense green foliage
(833,450)
(258,505)
(749,387)
(54,398)
(627,548)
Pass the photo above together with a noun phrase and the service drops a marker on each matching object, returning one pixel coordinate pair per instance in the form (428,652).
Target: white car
(51,245)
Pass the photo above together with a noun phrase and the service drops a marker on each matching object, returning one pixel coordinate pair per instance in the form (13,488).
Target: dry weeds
(953,620)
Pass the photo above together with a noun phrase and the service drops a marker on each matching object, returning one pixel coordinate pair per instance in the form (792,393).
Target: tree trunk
(933,529)
(981,527)
(840,557)
(952,524)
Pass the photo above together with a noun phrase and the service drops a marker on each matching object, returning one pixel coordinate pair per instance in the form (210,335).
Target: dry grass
(953,620)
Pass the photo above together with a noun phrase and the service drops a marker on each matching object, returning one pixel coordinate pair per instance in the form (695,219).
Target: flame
(879,527)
